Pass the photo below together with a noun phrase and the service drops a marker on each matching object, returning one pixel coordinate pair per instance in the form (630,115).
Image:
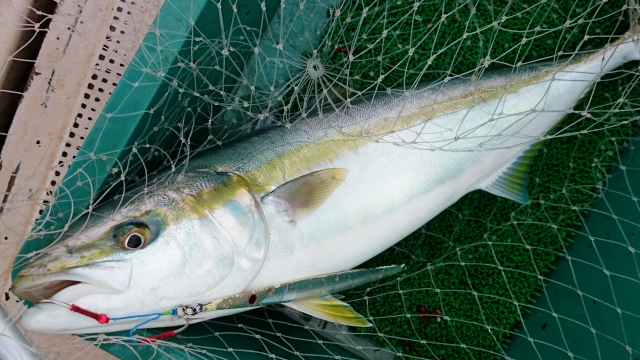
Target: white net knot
(315,68)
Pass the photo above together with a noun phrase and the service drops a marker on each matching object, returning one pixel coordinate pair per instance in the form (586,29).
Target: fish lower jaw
(52,318)
(49,318)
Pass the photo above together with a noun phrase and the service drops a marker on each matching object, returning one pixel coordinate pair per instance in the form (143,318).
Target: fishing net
(103,94)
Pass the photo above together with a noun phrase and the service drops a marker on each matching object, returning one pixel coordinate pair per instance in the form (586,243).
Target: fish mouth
(74,283)
(38,291)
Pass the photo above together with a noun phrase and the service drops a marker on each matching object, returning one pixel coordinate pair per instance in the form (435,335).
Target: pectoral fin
(302,196)
(330,309)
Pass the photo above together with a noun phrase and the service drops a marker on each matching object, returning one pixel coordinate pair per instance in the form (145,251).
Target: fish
(305,201)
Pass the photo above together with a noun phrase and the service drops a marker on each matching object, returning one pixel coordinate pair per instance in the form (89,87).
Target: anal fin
(512,182)
(330,309)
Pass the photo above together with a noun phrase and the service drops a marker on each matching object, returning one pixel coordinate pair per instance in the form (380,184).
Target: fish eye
(132,236)
(134,241)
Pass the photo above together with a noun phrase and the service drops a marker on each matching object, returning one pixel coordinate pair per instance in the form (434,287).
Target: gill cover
(236,216)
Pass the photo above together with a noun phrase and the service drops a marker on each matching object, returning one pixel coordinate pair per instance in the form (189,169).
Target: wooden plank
(70,83)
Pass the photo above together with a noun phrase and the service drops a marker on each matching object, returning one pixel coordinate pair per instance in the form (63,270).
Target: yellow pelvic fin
(303,195)
(330,309)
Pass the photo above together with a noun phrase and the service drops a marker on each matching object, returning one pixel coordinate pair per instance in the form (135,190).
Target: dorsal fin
(330,309)
(303,195)
(512,181)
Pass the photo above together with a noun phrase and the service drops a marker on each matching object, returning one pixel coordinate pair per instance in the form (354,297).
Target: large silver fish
(320,197)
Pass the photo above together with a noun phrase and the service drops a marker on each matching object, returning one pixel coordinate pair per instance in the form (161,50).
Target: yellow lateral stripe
(306,157)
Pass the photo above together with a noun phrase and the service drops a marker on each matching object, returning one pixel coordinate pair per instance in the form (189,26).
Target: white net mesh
(116,93)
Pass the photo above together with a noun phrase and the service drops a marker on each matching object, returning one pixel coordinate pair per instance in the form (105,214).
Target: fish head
(186,244)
